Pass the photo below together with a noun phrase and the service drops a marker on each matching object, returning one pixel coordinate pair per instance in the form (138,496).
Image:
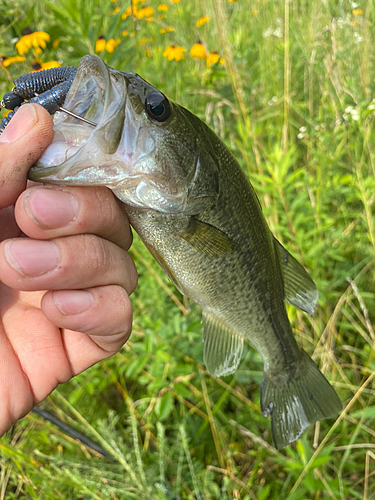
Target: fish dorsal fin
(300,290)
(222,347)
(207,239)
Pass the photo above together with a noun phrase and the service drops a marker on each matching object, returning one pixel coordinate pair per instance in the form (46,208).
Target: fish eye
(157,106)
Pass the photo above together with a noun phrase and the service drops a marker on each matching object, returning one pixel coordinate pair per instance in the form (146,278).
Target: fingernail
(72,301)
(22,122)
(32,258)
(51,208)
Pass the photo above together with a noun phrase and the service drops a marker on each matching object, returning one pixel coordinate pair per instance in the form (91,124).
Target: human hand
(65,275)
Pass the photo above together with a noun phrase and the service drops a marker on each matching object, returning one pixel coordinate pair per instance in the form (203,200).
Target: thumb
(23,141)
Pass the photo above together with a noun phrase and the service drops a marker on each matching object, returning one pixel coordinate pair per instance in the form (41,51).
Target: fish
(190,202)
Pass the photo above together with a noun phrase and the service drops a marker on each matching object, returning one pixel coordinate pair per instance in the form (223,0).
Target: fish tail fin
(297,398)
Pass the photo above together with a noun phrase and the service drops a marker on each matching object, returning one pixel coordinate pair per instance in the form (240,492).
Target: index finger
(23,141)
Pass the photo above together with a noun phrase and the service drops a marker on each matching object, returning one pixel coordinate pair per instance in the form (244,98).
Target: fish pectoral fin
(222,347)
(207,239)
(299,289)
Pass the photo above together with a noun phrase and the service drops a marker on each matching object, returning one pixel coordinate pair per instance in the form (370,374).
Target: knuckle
(97,255)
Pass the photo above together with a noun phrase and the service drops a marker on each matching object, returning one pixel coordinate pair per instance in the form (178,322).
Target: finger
(23,141)
(46,212)
(104,313)
(72,262)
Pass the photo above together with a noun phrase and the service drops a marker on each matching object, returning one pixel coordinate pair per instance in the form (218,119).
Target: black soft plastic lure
(48,88)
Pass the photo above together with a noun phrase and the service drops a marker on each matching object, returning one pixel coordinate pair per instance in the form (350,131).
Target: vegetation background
(289,86)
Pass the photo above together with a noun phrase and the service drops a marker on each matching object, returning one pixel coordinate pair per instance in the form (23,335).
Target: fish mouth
(118,151)
(80,150)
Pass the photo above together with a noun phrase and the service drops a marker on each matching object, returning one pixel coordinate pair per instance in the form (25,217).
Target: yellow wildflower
(7,61)
(112,44)
(214,58)
(116,11)
(51,64)
(124,32)
(100,44)
(198,51)
(36,39)
(142,41)
(166,30)
(128,12)
(201,21)
(55,43)
(163,7)
(357,12)
(175,1)
(38,66)
(254,11)
(38,51)
(144,12)
(174,52)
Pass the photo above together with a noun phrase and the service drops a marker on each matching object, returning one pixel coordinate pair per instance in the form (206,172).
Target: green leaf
(182,390)
(368,412)
(136,365)
(164,406)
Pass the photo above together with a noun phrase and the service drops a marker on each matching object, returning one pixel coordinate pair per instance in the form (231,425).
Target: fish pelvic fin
(296,399)
(222,347)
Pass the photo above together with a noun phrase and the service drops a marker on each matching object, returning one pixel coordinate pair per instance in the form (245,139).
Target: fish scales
(191,204)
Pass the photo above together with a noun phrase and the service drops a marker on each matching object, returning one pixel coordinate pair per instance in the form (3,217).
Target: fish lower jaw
(58,153)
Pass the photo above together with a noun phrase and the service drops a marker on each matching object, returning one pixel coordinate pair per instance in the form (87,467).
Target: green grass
(295,104)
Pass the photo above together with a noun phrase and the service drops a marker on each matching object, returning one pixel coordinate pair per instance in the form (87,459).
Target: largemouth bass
(191,204)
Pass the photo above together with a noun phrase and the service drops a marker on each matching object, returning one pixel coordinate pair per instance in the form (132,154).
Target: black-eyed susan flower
(144,12)
(37,65)
(175,1)
(201,21)
(163,7)
(36,39)
(357,12)
(100,44)
(198,51)
(166,30)
(112,44)
(124,33)
(213,58)
(7,61)
(174,52)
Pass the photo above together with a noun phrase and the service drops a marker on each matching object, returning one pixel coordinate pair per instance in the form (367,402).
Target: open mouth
(117,149)
(99,97)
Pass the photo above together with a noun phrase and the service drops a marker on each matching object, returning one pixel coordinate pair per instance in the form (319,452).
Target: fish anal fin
(207,239)
(299,289)
(222,347)
(296,399)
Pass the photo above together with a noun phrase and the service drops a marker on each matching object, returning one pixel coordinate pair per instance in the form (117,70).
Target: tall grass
(295,104)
